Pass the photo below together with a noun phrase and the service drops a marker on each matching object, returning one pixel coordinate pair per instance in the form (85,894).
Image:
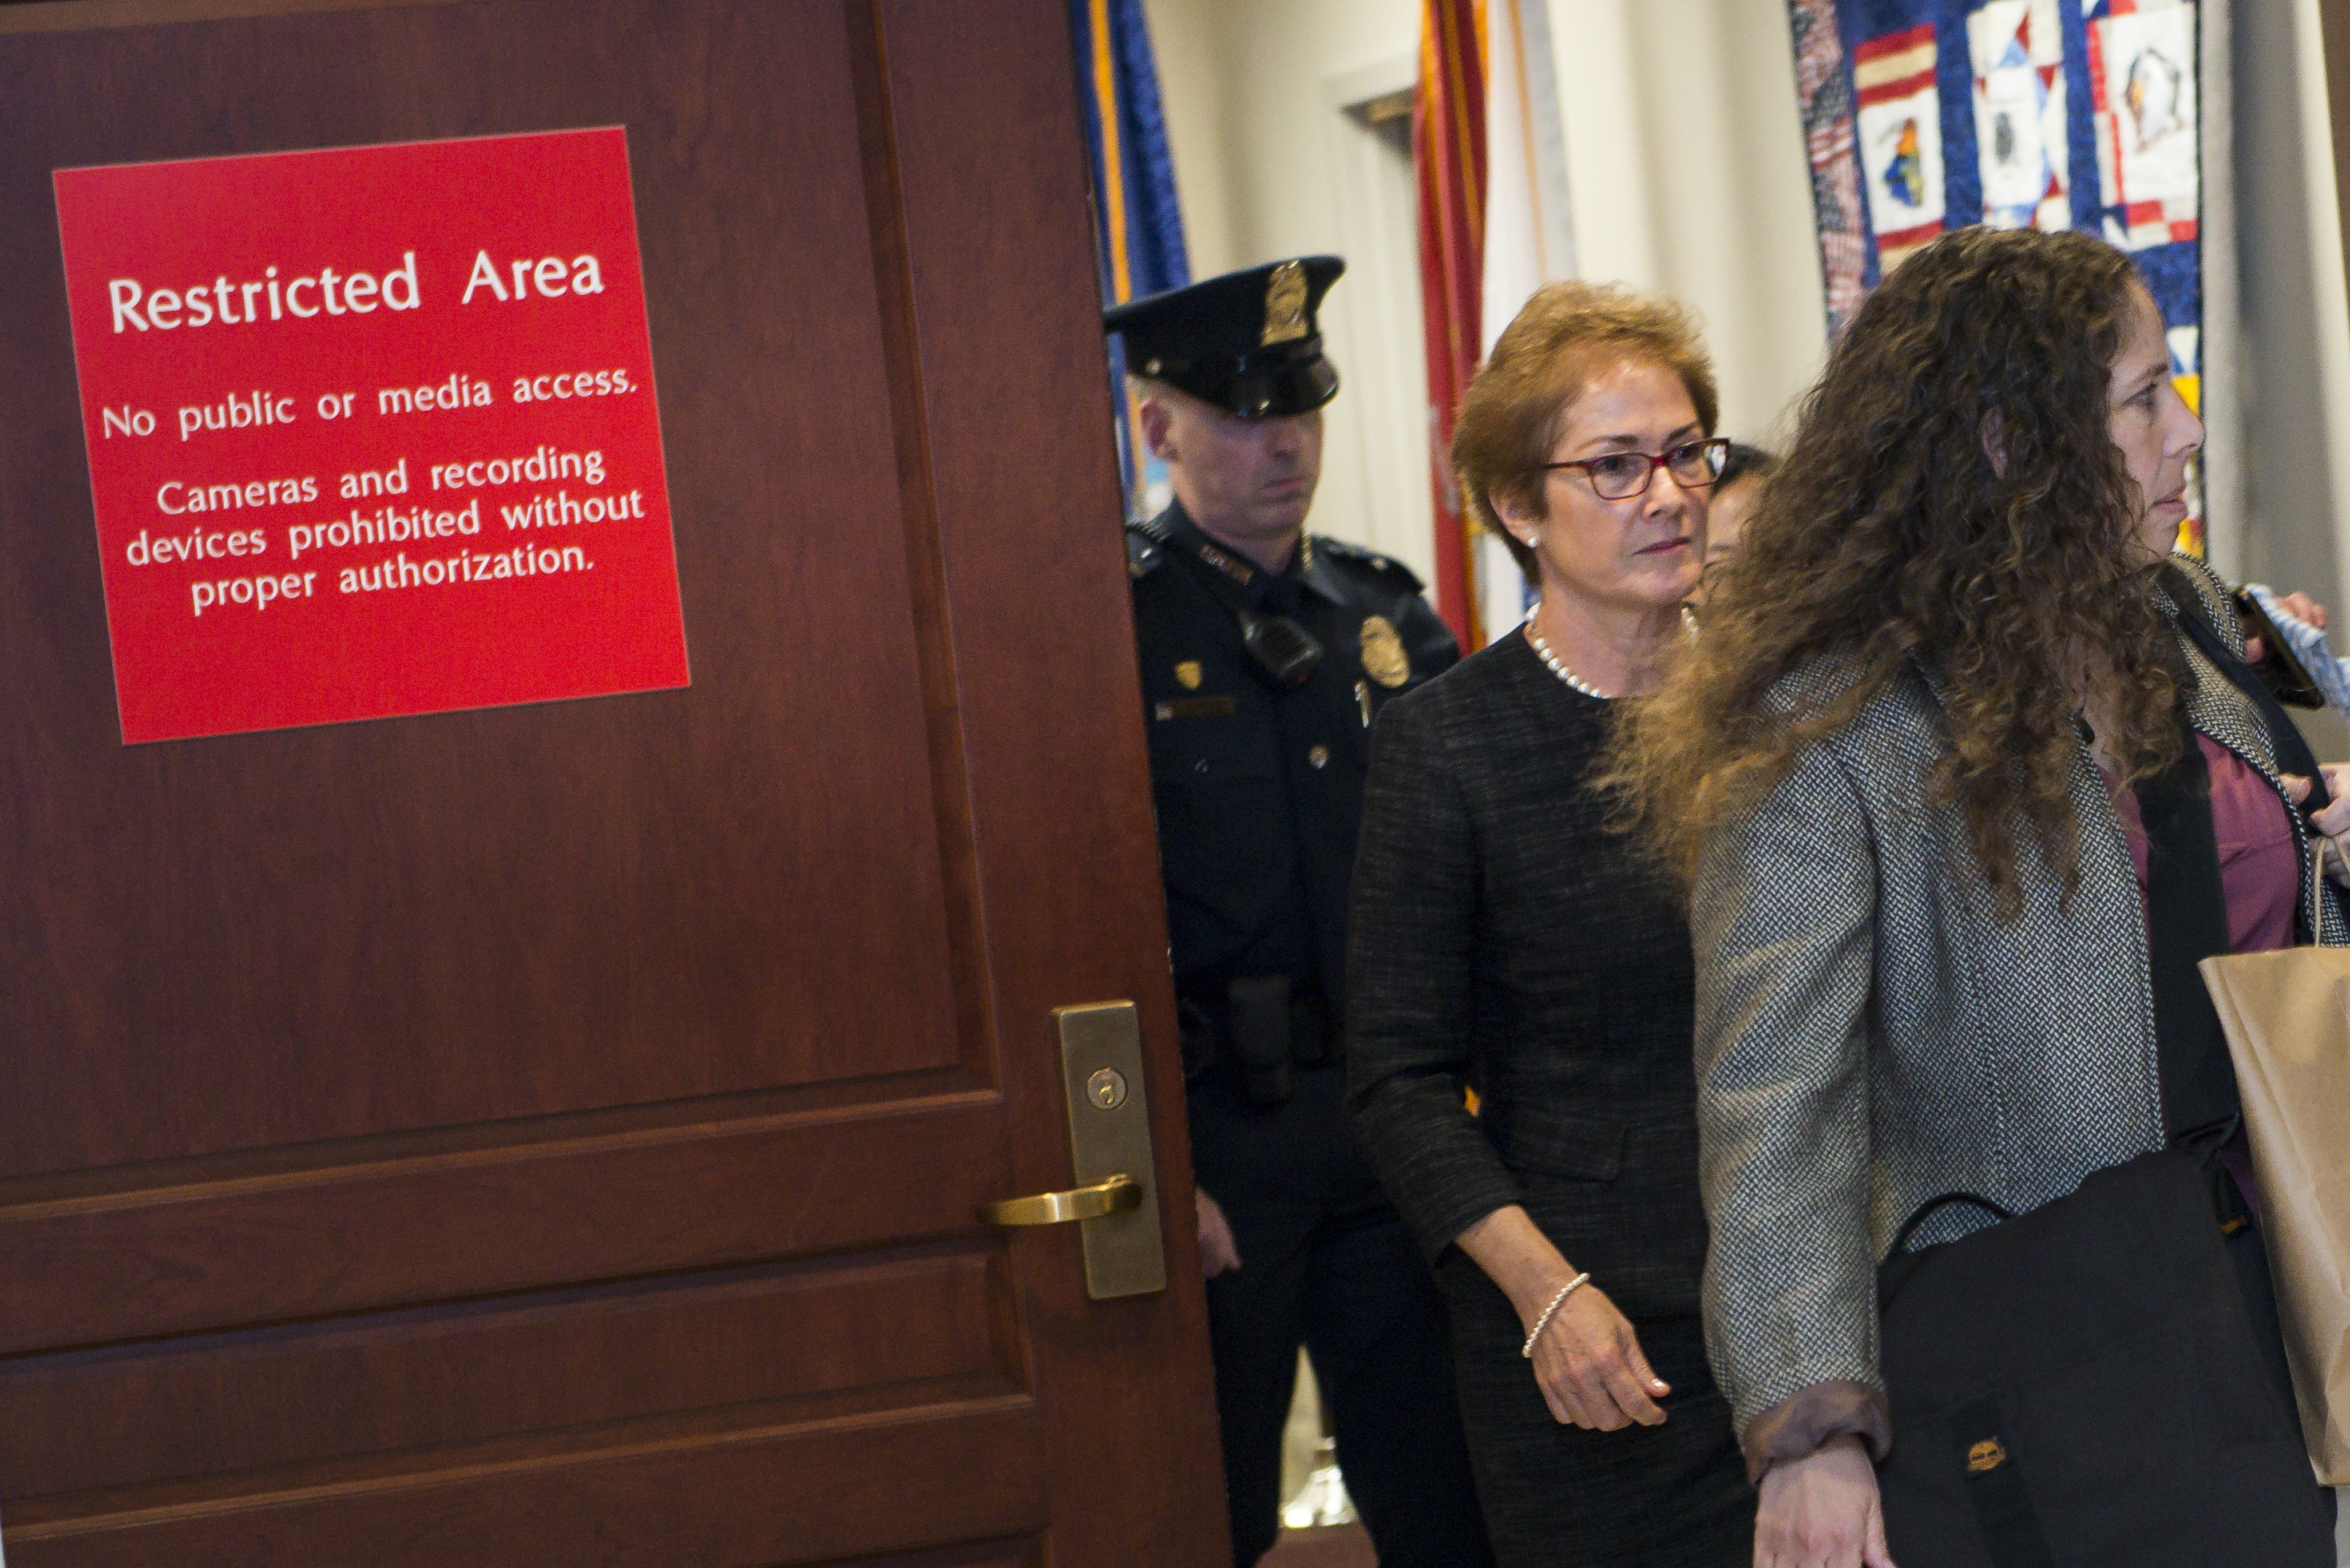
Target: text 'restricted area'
(371,432)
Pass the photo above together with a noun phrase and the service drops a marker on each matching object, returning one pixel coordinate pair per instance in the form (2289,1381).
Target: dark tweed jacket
(1503,937)
(1869,1036)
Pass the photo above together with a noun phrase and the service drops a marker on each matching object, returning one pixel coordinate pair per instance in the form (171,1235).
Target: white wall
(1685,155)
(1186,35)
(2294,363)
(1267,165)
(2292,349)
(1243,82)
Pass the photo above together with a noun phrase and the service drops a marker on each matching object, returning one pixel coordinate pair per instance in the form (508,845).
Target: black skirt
(1558,1496)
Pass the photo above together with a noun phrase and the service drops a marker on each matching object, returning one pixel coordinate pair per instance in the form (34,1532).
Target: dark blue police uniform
(1259,793)
(1260,689)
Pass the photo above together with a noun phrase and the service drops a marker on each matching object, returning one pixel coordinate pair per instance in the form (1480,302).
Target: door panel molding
(890,1329)
(173,1261)
(709,1500)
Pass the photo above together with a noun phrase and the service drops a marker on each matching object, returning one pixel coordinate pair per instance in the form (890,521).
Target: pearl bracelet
(1526,1351)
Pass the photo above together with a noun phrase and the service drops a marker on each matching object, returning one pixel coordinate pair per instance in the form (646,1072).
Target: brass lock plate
(1109,1134)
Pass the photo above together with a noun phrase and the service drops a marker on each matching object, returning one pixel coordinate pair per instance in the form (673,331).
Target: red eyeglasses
(1621,474)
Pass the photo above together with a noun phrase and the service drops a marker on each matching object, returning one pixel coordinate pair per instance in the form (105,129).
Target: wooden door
(553,1135)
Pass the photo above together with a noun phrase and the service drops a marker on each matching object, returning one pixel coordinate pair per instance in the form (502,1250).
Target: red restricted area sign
(371,432)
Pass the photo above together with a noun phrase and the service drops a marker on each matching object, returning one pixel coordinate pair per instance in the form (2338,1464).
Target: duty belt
(1262,1028)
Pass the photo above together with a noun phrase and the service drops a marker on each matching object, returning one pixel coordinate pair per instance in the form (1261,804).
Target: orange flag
(1448,155)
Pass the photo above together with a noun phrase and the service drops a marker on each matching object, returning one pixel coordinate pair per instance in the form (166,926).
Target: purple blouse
(2260,865)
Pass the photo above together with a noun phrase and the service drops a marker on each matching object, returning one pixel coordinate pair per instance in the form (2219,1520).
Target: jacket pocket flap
(1557,1143)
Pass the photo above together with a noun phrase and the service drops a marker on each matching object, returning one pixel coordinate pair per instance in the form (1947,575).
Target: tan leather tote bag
(2287,1017)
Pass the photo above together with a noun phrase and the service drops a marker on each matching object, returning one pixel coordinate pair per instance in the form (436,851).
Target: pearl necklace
(1558,666)
(1558,669)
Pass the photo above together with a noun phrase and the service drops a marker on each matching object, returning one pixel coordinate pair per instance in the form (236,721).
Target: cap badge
(1188,675)
(1284,303)
(1384,660)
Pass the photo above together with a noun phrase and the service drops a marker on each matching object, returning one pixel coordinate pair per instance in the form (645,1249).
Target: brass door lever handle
(1115,1196)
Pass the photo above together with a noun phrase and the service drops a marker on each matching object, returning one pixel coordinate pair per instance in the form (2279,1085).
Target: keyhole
(1107,1089)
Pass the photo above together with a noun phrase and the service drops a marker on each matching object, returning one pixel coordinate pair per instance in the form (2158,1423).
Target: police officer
(1266,654)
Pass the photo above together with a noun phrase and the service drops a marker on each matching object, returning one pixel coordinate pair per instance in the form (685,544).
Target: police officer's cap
(1246,341)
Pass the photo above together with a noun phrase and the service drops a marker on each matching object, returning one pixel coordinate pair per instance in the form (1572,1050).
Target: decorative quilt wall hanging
(1923,115)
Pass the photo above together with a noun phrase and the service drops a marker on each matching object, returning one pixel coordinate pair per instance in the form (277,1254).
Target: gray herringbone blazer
(1869,1036)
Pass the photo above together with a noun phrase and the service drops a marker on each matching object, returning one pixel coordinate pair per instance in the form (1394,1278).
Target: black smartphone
(2282,672)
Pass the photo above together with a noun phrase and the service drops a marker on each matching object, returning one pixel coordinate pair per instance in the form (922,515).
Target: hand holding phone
(2281,670)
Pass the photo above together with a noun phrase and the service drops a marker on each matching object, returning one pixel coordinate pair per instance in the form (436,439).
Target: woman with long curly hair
(1906,775)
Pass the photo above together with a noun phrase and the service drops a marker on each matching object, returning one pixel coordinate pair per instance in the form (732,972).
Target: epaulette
(1386,566)
(1143,551)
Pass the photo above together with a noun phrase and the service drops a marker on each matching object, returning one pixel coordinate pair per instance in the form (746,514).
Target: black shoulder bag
(2081,1385)
(2084,1384)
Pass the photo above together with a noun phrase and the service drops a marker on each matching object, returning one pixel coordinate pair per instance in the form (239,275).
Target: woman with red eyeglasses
(1505,939)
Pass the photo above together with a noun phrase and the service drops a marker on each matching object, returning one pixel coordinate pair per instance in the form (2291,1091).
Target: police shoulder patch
(1386,567)
(1143,553)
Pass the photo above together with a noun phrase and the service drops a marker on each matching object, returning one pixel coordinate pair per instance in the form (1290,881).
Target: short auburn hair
(1510,417)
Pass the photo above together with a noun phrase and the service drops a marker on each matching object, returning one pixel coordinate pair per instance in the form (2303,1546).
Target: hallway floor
(1331,1546)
